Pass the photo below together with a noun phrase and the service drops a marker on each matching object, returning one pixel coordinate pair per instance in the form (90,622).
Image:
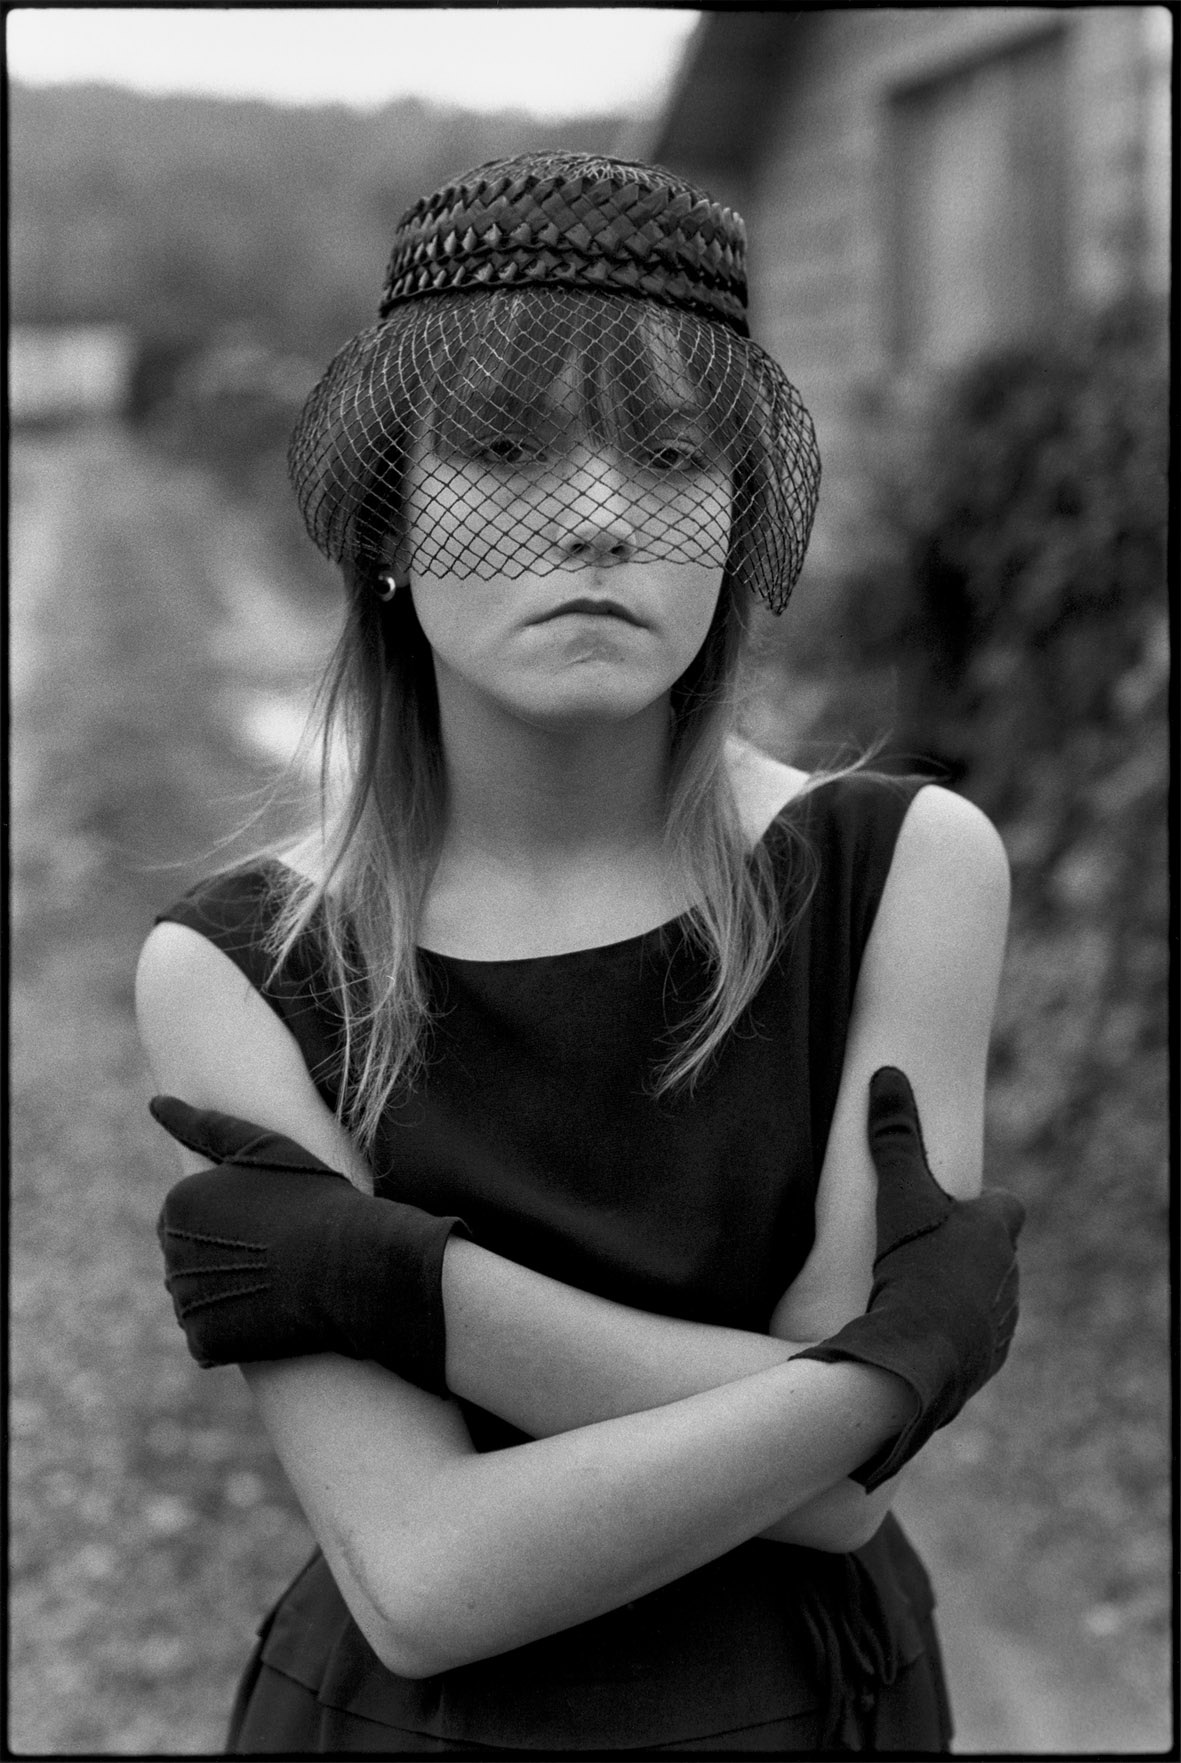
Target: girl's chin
(585,707)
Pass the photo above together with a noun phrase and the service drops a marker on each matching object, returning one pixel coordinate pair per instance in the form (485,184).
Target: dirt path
(137,677)
(155,654)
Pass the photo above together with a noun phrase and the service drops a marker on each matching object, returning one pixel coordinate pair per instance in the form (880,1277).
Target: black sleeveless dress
(534,1124)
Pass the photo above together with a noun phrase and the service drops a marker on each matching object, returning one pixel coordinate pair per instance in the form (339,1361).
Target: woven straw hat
(534,306)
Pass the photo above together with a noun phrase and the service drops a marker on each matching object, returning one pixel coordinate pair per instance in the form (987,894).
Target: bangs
(524,369)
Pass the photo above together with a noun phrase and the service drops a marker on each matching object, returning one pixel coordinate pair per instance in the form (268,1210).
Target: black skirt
(274,1715)
(314,1687)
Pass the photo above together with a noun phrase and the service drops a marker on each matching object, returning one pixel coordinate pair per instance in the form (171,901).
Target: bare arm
(445,1556)
(925,1001)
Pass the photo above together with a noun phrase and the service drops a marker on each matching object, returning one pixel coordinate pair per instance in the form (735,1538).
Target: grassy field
(159,644)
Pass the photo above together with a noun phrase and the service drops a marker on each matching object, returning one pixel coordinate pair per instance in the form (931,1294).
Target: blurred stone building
(921,186)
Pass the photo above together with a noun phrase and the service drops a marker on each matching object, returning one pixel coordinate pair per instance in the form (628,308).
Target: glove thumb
(910,1201)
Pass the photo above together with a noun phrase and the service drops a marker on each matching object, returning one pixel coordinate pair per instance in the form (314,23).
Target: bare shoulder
(947,842)
(763,785)
(190,998)
(939,935)
(214,1041)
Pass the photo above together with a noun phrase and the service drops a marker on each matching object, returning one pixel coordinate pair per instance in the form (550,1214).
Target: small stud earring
(387,588)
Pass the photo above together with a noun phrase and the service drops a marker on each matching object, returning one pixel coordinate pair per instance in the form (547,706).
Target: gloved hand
(273,1255)
(943,1306)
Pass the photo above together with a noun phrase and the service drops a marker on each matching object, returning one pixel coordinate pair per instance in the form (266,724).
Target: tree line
(184,216)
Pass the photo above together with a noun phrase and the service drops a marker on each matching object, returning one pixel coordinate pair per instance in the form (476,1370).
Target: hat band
(548,269)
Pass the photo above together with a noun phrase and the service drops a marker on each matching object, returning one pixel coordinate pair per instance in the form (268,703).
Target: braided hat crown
(574,220)
(562,342)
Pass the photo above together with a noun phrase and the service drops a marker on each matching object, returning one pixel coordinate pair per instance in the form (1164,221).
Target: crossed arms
(658,1444)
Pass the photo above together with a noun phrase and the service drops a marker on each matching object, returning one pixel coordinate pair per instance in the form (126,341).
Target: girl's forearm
(575,1525)
(549,1358)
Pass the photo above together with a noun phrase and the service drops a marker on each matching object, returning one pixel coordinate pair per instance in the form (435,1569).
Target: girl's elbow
(846,1519)
(377,1584)
(404,1638)
(422,1624)
(423,1643)
(403,1656)
(854,1534)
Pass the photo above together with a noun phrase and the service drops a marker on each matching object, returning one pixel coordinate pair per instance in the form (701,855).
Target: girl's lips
(593,609)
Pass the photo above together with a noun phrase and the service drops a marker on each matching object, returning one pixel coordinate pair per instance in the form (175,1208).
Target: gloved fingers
(224,1138)
(895,1130)
(910,1202)
(896,1143)
(891,1099)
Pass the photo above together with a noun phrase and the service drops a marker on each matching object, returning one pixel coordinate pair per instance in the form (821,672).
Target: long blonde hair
(381,823)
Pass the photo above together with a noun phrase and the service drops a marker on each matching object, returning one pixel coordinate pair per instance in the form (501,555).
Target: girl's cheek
(480,529)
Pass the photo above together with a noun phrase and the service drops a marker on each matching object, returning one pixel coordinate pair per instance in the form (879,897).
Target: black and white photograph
(590,800)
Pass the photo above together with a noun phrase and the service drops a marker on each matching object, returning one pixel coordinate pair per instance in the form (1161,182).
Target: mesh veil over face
(470,432)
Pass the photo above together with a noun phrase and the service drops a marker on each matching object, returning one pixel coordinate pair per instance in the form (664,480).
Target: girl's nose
(596,519)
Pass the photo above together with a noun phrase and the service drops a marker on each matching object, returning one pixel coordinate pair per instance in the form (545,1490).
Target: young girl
(601,1011)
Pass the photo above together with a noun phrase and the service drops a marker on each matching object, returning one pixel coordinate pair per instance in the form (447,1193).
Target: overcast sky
(553,60)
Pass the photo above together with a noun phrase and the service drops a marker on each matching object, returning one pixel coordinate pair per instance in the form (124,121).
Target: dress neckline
(587,952)
(594,951)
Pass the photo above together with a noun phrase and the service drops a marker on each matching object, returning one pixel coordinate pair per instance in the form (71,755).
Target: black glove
(943,1306)
(273,1255)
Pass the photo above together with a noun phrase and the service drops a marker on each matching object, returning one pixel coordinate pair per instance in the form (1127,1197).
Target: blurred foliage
(183,215)
(1018,567)
(1013,571)
(1018,579)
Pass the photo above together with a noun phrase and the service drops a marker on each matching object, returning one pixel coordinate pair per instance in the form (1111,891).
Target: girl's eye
(676,456)
(511,453)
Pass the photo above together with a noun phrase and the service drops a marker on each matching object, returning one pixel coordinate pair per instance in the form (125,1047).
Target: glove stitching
(216,1267)
(194,1236)
(184,1310)
(923,1230)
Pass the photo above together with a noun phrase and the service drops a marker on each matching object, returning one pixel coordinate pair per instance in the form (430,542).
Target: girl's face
(565,584)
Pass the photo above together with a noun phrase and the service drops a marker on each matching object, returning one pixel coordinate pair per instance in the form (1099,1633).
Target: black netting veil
(480,434)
